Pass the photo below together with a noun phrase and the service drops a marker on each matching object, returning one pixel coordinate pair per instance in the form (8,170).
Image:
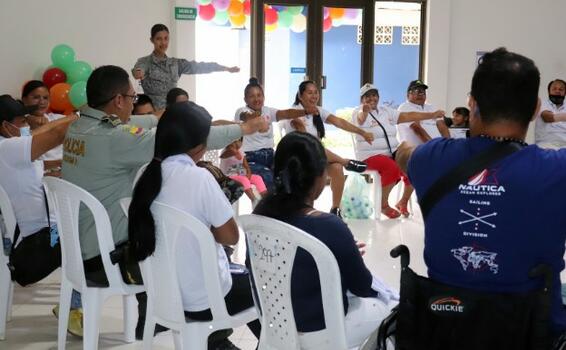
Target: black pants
(238,299)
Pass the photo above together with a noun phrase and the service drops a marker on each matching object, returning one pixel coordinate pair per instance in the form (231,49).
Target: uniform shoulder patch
(132,129)
(112,120)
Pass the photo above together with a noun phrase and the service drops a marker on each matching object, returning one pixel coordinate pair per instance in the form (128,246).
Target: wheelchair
(436,316)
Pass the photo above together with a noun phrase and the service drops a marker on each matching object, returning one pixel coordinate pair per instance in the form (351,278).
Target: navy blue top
(505,220)
(305,282)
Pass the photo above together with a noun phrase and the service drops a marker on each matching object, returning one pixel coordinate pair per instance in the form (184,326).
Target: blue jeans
(261,163)
(76,301)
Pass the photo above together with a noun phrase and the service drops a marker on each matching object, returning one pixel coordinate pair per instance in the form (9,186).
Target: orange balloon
(236,8)
(337,13)
(59,96)
(238,21)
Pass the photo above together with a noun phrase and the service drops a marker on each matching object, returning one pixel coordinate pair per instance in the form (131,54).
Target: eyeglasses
(418,91)
(134,97)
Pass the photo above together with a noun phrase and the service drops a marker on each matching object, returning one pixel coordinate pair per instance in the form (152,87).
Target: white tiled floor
(33,325)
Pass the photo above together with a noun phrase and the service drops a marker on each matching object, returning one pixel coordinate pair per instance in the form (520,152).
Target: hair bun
(254,81)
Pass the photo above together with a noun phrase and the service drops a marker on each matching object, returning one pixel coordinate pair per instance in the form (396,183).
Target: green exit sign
(185,13)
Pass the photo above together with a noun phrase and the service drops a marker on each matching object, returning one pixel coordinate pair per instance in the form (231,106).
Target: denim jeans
(261,163)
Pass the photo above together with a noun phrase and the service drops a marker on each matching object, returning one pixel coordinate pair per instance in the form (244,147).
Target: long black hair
(299,159)
(182,127)
(172,95)
(316,119)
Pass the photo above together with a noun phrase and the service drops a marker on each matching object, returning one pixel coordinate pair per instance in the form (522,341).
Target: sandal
(356,165)
(390,212)
(403,210)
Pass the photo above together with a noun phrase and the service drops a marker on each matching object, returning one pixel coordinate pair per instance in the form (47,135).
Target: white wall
(459,28)
(101,32)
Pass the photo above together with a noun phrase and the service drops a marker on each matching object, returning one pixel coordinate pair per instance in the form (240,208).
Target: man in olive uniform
(102,152)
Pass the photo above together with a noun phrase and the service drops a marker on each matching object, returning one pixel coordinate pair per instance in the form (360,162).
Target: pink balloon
(221,5)
(351,13)
(326,12)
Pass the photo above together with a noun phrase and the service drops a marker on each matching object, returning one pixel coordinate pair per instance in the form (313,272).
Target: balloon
(278,8)
(236,8)
(247,7)
(327,24)
(204,2)
(78,71)
(299,23)
(270,27)
(221,5)
(206,12)
(238,21)
(351,13)
(325,12)
(54,76)
(285,19)
(221,18)
(62,56)
(336,13)
(77,94)
(271,16)
(295,10)
(59,95)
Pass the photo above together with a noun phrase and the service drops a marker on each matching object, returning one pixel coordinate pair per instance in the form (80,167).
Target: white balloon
(299,23)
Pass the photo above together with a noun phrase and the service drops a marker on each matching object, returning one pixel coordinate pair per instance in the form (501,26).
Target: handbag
(34,258)
(231,188)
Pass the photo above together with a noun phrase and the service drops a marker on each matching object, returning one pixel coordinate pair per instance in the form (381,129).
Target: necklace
(504,139)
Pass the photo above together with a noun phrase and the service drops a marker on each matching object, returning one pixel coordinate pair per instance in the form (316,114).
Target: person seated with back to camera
(300,169)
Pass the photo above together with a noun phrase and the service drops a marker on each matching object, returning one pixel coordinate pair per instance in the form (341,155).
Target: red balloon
(206,12)
(54,76)
(327,24)
(271,16)
(247,7)
(59,95)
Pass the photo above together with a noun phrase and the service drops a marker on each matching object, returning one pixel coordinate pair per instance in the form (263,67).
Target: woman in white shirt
(173,178)
(380,155)
(35,94)
(307,97)
(259,146)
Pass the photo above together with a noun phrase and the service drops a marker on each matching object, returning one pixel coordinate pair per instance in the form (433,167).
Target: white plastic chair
(66,198)
(6,285)
(164,303)
(272,245)
(376,179)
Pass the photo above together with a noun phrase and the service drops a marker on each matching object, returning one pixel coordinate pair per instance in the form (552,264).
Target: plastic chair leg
(130,318)
(195,338)
(149,328)
(64,305)
(177,339)
(92,303)
(376,179)
(5,305)
(10,301)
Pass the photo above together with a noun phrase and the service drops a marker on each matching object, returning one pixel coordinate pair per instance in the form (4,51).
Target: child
(234,164)
(459,123)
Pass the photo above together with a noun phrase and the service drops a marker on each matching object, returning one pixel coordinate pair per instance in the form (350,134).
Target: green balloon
(295,10)
(285,19)
(221,18)
(77,94)
(204,2)
(78,71)
(62,56)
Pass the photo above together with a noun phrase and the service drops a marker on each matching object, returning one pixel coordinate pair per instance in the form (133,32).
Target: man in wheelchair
(492,213)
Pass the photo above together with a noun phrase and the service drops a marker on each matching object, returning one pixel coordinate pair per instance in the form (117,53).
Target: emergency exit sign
(185,13)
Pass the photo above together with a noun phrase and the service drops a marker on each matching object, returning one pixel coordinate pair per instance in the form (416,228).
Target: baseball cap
(10,108)
(417,84)
(367,88)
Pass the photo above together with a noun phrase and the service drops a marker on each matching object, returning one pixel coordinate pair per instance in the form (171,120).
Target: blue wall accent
(394,67)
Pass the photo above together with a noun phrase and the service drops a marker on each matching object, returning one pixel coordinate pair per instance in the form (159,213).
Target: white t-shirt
(21,179)
(57,152)
(429,125)
(388,117)
(553,133)
(193,190)
(259,140)
(232,165)
(307,120)
(458,133)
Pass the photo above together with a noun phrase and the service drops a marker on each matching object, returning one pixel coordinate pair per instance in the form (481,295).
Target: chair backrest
(213,156)
(66,199)
(272,246)
(160,272)
(7,215)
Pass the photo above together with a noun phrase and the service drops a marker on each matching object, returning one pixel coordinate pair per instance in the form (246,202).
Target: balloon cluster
(356,207)
(66,80)
(236,12)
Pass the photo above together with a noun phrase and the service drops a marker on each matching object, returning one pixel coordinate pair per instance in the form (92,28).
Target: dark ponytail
(182,127)
(316,119)
(300,158)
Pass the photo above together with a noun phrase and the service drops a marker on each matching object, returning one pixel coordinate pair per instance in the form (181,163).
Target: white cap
(367,88)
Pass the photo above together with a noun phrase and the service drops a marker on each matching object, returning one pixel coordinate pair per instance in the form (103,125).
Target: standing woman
(159,73)
(381,121)
(259,146)
(307,97)
(35,95)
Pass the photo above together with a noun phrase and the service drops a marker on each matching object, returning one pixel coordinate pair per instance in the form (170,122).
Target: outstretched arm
(420,132)
(347,126)
(405,117)
(194,67)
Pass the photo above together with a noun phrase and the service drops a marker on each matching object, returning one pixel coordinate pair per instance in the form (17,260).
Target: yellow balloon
(270,27)
(336,13)
(299,23)
(238,21)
